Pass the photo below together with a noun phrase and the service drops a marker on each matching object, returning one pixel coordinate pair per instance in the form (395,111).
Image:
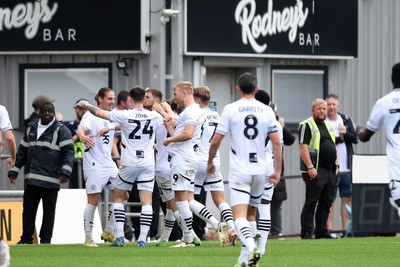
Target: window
(294,89)
(65,83)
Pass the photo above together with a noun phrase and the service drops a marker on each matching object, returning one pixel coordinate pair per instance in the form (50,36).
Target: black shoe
(21,242)
(325,235)
(45,241)
(306,235)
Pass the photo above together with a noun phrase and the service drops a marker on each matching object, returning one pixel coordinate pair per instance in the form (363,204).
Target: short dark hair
(122,96)
(396,75)
(137,93)
(155,92)
(263,97)
(247,82)
(332,96)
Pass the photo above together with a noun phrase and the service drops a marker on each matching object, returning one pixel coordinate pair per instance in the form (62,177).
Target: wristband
(311,167)
(111,127)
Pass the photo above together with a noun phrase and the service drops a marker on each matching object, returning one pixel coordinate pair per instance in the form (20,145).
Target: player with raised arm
(137,160)
(100,171)
(248,122)
(386,111)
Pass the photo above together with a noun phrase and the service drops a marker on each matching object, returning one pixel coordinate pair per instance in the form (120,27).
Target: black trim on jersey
(124,180)
(256,196)
(215,182)
(141,182)
(241,191)
(123,145)
(268,188)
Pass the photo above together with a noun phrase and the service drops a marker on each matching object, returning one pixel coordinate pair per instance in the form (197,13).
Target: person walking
(47,153)
(319,168)
(248,122)
(386,113)
(346,136)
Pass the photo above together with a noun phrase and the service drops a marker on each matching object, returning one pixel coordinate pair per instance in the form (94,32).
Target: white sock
(110,225)
(244,255)
(245,234)
(253,225)
(119,215)
(264,225)
(186,220)
(146,217)
(202,212)
(226,214)
(169,222)
(88,218)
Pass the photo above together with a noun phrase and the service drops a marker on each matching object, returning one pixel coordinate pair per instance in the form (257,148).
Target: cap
(39,100)
(80,99)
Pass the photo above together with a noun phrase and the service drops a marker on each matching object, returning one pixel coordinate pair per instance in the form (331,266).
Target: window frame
(25,100)
(306,70)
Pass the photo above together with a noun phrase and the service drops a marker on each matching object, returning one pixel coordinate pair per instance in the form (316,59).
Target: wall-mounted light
(124,64)
(167,14)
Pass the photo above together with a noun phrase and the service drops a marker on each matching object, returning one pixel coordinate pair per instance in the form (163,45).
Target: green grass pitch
(362,251)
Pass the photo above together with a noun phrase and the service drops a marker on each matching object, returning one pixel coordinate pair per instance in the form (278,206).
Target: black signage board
(70,26)
(371,211)
(272,28)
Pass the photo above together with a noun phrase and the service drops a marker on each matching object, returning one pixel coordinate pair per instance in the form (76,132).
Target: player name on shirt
(212,117)
(250,109)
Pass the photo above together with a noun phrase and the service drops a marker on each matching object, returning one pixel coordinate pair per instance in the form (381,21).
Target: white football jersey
(249,122)
(270,150)
(98,157)
(386,111)
(207,133)
(162,162)
(5,123)
(138,128)
(191,115)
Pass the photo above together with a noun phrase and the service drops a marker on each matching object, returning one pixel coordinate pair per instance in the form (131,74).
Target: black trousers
(32,197)
(320,194)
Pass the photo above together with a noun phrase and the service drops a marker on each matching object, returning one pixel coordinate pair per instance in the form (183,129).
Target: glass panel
(294,91)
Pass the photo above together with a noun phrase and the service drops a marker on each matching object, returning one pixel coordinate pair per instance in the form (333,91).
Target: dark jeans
(32,197)
(320,193)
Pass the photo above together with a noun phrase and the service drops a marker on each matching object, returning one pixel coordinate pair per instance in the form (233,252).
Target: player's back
(387,112)
(249,122)
(138,128)
(207,133)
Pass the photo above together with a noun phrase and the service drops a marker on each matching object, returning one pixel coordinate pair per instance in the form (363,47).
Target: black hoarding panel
(267,28)
(70,25)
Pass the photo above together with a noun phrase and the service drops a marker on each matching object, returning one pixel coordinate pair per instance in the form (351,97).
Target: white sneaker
(90,243)
(4,254)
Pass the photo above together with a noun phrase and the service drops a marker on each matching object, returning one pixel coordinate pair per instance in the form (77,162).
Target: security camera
(170,12)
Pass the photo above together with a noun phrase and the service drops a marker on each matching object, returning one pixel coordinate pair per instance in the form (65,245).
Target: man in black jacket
(47,152)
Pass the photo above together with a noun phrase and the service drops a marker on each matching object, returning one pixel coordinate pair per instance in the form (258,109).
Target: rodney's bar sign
(70,26)
(272,28)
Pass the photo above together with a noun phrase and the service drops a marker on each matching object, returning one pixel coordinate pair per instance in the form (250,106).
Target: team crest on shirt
(92,187)
(253,157)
